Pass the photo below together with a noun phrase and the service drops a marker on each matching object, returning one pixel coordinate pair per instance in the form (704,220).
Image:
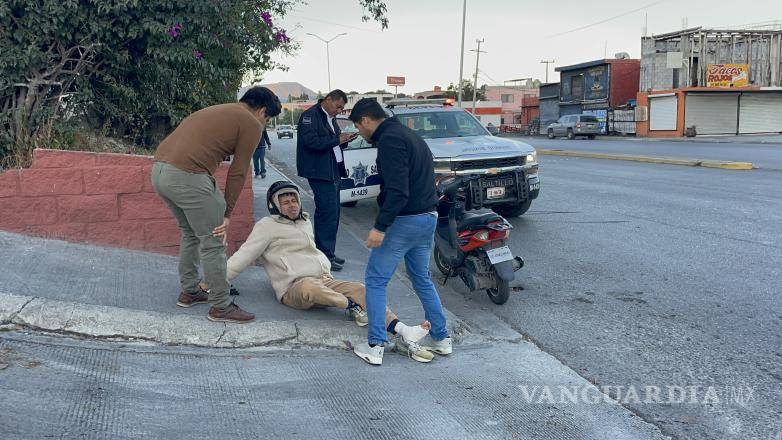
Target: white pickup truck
(460,146)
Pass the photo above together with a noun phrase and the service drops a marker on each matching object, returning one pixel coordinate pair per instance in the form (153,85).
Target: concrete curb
(725,165)
(104,322)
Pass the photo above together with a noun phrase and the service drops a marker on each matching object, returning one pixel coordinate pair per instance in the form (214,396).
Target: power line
(489,77)
(608,19)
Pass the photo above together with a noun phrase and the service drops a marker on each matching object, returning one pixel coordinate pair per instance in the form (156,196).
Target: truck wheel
(500,294)
(550,133)
(350,204)
(570,134)
(591,137)
(513,210)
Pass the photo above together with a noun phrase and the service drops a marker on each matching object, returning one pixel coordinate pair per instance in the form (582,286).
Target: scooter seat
(473,219)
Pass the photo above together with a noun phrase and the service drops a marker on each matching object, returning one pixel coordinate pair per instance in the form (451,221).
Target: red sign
(395,80)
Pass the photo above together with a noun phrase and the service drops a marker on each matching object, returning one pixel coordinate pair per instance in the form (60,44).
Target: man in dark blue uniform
(319,159)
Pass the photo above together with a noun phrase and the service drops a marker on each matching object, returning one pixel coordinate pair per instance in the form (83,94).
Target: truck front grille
(482,164)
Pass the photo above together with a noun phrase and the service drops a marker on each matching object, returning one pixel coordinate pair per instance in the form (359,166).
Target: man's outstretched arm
(251,250)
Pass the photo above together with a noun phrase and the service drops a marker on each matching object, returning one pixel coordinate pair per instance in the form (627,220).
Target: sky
(423,39)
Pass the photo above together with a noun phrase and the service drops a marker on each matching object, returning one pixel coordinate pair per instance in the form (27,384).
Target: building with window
(595,87)
(382,98)
(710,82)
(519,104)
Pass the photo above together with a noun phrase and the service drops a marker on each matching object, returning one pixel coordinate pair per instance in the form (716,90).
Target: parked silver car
(574,125)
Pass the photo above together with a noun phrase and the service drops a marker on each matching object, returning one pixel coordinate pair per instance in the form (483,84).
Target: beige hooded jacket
(285,248)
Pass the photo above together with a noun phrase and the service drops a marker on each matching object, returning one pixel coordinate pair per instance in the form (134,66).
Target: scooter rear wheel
(500,294)
(440,262)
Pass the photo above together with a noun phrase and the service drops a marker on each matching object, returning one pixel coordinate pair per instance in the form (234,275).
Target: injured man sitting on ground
(283,243)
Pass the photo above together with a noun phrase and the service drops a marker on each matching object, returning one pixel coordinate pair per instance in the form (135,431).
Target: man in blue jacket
(319,159)
(404,228)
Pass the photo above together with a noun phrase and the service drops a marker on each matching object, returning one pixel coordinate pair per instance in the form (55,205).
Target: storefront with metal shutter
(760,112)
(549,110)
(712,113)
(663,112)
(569,109)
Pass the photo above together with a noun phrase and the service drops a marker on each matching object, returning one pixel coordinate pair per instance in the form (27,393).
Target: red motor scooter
(473,244)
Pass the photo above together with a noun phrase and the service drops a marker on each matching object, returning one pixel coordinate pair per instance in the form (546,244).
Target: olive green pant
(199,207)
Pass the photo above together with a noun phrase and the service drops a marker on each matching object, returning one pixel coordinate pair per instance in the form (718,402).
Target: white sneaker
(359,315)
(443,347)
(371,355)
(413,351)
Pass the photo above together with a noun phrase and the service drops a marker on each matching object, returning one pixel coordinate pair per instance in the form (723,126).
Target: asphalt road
(655,276)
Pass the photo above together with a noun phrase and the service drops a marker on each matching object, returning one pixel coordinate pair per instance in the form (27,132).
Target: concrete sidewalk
(110,292)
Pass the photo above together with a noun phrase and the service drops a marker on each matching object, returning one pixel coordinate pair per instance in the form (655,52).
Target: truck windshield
(434,125)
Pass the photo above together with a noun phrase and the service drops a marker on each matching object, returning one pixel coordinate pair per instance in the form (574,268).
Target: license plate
(495,193)
(500,254)
(493,183)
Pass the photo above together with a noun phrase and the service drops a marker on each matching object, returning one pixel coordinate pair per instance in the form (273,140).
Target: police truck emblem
(360,174)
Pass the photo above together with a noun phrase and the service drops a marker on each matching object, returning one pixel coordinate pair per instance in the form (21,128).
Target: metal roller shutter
(712,113)
(760,113)
(569,109)
(663,112)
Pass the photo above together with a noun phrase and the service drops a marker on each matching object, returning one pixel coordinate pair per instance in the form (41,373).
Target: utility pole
(547,62)
(478,52)
(328,60)
(461,54)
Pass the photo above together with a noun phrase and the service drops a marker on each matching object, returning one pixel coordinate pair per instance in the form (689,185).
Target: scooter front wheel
(500,294)
(441,262)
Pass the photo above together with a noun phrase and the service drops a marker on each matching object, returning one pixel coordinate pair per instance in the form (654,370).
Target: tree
(132,68)
(290,117)
(467,91)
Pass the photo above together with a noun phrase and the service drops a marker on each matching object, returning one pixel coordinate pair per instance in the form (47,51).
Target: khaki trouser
(311,292)
(199,207)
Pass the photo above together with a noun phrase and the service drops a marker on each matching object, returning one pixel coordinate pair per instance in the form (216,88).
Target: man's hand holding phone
(347,137)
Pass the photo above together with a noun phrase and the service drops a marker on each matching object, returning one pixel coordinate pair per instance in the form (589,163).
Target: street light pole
(328,58)
(461,54)
(475,81)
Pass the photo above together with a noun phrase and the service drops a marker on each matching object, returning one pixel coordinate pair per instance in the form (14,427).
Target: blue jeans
(411,238)
(258,163)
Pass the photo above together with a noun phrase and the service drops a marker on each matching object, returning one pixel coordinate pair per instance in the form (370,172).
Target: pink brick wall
(101,198)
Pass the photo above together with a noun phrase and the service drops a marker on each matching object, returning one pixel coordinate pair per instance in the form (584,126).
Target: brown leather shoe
(231,313)
(192,299)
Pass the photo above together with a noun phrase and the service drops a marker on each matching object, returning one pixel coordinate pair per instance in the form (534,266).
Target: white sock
(410,333)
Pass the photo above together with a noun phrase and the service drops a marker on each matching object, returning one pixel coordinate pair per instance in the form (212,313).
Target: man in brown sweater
(183,176)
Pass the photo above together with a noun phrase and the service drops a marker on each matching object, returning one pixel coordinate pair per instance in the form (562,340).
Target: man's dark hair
(337,94)
(368,107)
(260,97)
